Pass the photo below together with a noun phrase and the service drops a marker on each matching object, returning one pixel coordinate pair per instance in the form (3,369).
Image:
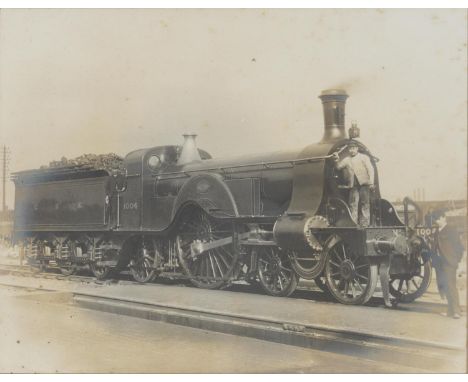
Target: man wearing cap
(361,182)
(450,250)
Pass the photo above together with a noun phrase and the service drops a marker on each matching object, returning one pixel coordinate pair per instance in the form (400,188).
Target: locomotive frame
(268,218)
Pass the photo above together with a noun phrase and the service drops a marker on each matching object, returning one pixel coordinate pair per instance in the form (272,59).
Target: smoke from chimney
(334,101)
(189,150)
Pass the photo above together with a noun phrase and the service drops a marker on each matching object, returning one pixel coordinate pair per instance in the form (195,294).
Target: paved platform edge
(320,327)
(365,346)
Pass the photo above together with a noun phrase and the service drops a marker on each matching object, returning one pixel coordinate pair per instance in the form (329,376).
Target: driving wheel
(209,268)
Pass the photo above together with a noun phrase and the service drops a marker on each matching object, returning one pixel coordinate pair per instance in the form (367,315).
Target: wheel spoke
(283,268)
(286,278)
(197,267)
(212,265)
(207,267)
(362,277)
(344,251)
(221,273)
(359,285)
(338,255)
(280,283)
(223,260)
(227,252)
(346,289)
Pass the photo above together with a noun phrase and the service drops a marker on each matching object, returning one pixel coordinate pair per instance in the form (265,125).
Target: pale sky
(246,81)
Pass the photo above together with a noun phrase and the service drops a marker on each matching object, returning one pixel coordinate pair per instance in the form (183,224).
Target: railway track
(28,271)
(123,278)
(305,290)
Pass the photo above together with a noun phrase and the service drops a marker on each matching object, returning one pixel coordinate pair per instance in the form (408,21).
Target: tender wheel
(214,267)
(307,264)
(105,251)
(141,266)
(350,278)
(101,272)
(409,288)
(66,264)
(275,273)
(67,268)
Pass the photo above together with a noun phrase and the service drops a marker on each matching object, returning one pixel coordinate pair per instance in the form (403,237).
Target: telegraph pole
(4,177)
(5,160)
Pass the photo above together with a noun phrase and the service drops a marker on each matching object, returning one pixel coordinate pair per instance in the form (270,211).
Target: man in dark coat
(450,250)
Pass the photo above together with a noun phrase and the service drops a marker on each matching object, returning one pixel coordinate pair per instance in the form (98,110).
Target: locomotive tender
(268,218)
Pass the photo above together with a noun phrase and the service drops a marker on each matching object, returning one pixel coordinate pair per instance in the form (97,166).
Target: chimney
(333,101)
(189,151)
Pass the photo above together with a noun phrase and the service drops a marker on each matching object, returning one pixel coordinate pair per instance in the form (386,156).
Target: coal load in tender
(107,162)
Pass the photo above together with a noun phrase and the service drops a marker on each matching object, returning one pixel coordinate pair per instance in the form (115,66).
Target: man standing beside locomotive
(361,182)
(450,249)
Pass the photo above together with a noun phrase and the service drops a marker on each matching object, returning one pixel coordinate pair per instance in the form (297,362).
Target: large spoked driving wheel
(350,278)
(275,273)
(209,268)
(407,288)
(141,266)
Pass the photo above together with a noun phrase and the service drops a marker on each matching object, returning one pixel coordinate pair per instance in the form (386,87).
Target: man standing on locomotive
(360,182)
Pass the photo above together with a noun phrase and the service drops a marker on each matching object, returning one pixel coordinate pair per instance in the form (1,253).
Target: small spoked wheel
(351,279)
(275,273)
(141,266)
(407,288)
(207,267)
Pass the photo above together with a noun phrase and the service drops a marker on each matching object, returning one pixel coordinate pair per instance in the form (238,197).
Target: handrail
(264,164)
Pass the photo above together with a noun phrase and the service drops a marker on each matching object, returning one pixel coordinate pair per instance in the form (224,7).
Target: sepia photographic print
(256,190)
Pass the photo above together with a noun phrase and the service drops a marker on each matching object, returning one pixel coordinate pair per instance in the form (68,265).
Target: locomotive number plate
(426,231)
(130,206)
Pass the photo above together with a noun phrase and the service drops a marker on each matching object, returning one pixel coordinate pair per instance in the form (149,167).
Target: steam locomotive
(268,219)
